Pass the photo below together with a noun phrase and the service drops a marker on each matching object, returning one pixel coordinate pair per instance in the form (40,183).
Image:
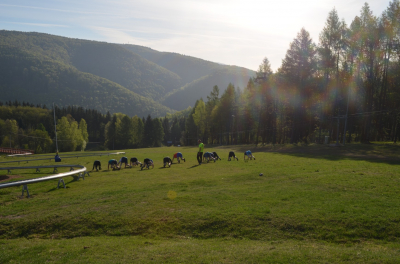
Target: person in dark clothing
(167,161)
(97,165)
(134,162)
(147,163)
(216,155)
(232,155)
(123,160)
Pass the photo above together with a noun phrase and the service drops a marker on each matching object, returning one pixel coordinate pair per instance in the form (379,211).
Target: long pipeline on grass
(80,172)
(65,156)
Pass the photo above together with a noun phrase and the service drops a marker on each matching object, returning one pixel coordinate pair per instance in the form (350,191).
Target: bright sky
(231,32)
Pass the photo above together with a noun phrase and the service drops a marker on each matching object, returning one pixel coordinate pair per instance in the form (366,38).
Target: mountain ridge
(148,78)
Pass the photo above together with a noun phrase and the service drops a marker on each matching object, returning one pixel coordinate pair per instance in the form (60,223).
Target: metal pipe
(66,154)
(41,167)
(46,178)
(116,153)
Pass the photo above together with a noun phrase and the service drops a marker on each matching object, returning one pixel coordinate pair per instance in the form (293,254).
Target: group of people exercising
(116,165)
(207,157)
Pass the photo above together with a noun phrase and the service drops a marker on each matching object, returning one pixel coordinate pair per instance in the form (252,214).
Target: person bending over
(97,165)
(208,156)
(232,155)
(216,155)
(249,155)
(167,161)
(123,160)
(147,163)
(178,156)
(113,163)
(57,158)
(134,162)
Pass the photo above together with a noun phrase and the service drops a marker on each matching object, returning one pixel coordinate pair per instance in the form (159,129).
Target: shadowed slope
(37,79)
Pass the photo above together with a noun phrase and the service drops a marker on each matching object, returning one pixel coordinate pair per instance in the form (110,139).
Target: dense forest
(28,126)
(346,85)
(345,88)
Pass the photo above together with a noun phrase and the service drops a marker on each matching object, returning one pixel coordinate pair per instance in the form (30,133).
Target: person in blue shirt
(178,156)
(113,163)
(249,155)
(57,158)
(208,156)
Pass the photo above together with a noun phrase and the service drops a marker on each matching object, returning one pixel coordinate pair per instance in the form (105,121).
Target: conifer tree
(148,132)
(298,68)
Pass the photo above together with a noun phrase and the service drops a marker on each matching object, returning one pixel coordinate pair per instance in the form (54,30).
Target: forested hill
(34,78)
(131,79)
(187,67)
(200,88)
(199,76)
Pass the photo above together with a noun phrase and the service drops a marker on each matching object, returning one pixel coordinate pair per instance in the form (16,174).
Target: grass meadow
(313,204)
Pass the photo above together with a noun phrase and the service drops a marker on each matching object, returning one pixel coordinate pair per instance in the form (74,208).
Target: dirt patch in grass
(11,216)
(8,177)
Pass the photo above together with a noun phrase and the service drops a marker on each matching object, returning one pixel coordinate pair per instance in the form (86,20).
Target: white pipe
(46,178)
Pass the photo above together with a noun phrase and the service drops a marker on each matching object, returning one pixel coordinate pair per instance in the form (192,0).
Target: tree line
(345,87)
(29,126)
(353,72)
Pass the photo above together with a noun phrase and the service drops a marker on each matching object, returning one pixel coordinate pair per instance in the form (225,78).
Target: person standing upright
(200,152)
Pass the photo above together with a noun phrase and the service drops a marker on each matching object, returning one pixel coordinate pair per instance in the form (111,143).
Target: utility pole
(337,132)
(338,122)
(345,121)
(237,131)
(232,130)
(55,126)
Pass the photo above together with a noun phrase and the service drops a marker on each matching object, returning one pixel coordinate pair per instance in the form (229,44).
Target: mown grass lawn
(313,204)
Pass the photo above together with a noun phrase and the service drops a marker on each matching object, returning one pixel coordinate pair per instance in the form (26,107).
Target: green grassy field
(313,204)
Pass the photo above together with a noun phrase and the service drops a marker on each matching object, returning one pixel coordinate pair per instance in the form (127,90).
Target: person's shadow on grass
(194,166)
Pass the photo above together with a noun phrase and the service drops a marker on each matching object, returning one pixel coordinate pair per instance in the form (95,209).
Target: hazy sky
(231,32)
